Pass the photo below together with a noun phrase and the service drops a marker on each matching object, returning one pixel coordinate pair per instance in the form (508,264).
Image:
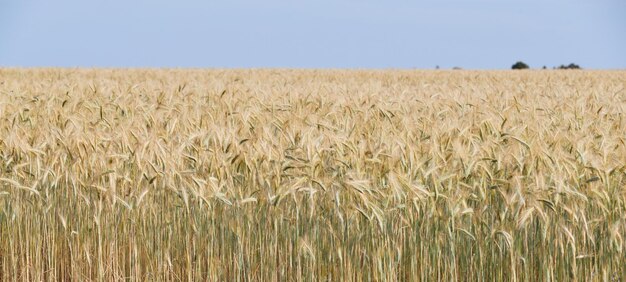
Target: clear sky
(473,34)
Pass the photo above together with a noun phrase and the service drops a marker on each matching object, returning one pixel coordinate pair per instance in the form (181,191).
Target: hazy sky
(480,34)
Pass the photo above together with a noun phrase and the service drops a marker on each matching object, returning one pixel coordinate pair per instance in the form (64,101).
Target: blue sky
(473,34)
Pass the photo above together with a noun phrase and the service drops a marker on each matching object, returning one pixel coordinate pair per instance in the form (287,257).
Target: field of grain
(305,175)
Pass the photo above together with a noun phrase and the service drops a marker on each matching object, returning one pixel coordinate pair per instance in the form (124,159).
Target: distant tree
(519,66)
(571,66)
(544,67)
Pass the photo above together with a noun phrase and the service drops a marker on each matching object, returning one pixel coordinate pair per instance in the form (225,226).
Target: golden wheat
(273,175)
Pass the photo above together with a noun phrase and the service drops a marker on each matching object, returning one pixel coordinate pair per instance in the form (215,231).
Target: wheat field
(312,175)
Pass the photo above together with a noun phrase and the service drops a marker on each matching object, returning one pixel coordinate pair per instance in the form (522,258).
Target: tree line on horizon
(519,65)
